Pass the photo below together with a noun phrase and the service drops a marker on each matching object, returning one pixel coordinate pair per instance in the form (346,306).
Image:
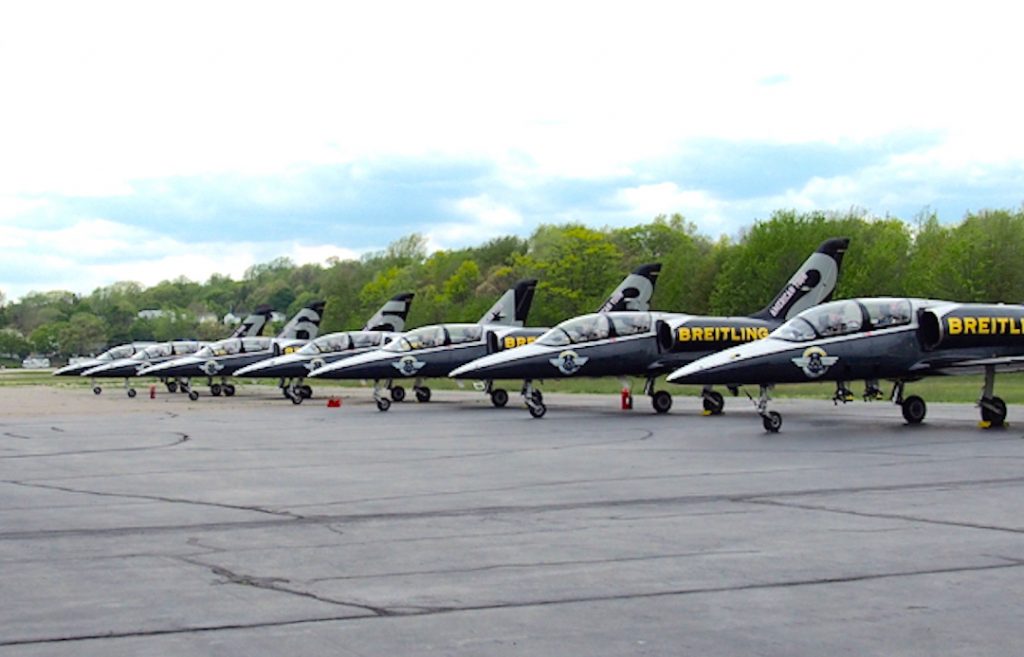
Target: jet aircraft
(129,366)
(380,329)
(898,339)
(436,350)
(225,357)
(432,351)
(650,344)
(114,353)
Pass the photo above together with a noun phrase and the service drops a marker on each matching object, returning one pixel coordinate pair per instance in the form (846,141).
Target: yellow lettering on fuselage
(720,333)
(985,325)
(517,341)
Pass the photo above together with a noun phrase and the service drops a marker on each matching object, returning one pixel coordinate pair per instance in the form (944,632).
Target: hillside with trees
(976,259)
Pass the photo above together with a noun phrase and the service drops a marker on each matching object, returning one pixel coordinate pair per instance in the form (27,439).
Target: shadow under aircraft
(224,357)
(902,340)
(384,326)
(129,367)
(650,344)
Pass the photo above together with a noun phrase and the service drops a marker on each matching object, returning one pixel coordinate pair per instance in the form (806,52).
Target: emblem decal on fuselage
(815,362)
(315,364)
(408,365)
(211,367)
(569,362)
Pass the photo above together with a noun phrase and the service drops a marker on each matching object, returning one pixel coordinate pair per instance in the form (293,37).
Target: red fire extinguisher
(627,400)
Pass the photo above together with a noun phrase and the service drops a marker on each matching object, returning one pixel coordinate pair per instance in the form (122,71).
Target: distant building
(156,313)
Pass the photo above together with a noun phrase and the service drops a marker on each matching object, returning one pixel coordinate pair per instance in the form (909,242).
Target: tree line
(976,259)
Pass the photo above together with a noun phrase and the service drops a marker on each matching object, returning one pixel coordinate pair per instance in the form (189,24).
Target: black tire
(172,386)
(96,390)
(422,394)
(305,391)
(499,397)
(538,396)
(383,404)
(714,402)
(537,410)
(661,401)
(914,409)
(216,389)
(229,389)
(296,399)
(193,395)
(996,415)
(772,421)
(397,394)
(131,393)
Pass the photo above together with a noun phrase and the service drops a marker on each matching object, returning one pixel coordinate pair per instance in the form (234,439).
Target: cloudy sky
(143,141)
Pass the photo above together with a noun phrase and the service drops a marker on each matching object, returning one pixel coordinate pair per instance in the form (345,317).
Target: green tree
(14,344)
(85,333)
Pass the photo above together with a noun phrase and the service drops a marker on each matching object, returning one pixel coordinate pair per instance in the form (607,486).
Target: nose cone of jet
(506,364)
(77,368)
(187,366)
(370,365)
(288,365)
(738,364)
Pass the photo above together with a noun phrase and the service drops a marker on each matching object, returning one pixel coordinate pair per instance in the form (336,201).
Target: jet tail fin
(255,323)
(392,315)
(635,290)
(513,306)
(305,325)
(813,283)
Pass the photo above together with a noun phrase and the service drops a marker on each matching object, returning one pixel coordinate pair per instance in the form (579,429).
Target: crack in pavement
(886,516)
(182,439)
(288,518)
(412,612)
(154,498)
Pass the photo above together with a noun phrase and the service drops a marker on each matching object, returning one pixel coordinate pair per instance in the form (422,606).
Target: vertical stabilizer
(513,306)
(812,284)
(392,315)
(306,323)
(254,324)
(635,290)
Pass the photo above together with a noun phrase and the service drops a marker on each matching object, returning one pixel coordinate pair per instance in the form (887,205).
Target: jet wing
(969,366)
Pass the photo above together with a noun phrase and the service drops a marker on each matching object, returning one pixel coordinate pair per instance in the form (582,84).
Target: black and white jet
(649,344)
(898,339)
(386,324)
(433,351)
(129,367)
(224,357)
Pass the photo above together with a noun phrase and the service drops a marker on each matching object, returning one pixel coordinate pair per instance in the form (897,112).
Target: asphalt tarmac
(254,527)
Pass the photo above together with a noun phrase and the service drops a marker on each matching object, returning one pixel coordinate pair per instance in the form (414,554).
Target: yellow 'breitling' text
(721,333)
(985,325)
(511,341)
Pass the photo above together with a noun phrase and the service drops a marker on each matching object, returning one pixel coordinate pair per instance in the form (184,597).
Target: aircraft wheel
(193,395)
(537,410)
(172,386)
(994,416)
(397,394)
(229,389)
(215,390)
(286,392)
(423,395)
(662,401)
(714,402)
(383,404)
(305,391)
(772,421)
(97,390)
(914,409)
(131,393)
(296,399)
(499,397)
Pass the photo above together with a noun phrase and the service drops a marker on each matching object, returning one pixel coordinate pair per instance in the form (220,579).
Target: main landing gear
(397,393)
(499,396)
(296,390)
(713,401)
(534,399)
(993,409)
(222,388)
(661,401)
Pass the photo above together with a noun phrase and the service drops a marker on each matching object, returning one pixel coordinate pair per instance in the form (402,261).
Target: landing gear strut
(772,420)
(660,399)
(993,409)
(914,408)
(534,400)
